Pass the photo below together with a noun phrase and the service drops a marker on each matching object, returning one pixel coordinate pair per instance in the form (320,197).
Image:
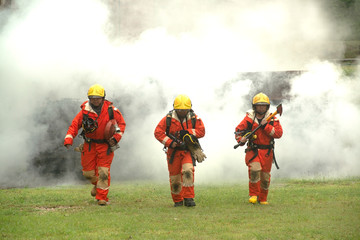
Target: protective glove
(112,141)
(194,146)
(79,148)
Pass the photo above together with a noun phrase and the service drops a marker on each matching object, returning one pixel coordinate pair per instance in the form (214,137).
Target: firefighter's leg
(103,184)
(104,161)
(88,162)
(266,164)
(175,179)
(264,186)
(175,185)
(90,175)
(187,174)
(254,169)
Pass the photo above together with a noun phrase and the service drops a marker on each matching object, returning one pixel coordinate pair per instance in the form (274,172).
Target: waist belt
(181,148)
(254,147)
(99,141)
(89,140)
(258,146)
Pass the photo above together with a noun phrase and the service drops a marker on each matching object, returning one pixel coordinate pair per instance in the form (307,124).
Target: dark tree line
(345,13)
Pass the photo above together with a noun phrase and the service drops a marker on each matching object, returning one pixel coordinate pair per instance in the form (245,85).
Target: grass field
(299,209)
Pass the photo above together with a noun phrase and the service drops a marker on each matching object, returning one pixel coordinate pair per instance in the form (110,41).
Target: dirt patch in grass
(46,209)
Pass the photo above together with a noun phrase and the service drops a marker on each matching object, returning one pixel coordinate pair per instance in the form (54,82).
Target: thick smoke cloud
(144,54)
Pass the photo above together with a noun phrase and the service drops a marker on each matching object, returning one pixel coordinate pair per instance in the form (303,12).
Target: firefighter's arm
(273,128)
(73,129)
(199,130)
(240,130)
(160,135)
(121,124)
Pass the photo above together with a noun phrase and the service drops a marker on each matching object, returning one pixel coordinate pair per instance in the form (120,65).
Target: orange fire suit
(259,152)
(96,158)
(180,163)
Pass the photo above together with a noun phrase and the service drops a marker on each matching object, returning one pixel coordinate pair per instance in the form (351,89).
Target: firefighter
(260,148)
(178,126)
(103,126)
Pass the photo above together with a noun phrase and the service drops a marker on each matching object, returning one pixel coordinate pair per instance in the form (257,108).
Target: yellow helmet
(182,102)
(261,99)
(96,91)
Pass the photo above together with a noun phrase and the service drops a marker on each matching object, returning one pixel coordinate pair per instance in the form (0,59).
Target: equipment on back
(96,91)
(182,102)
(110,129)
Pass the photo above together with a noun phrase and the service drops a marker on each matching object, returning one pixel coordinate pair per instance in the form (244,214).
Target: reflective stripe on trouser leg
(103,183)
(264,186)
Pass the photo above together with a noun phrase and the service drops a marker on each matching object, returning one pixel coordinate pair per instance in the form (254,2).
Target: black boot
(189,202)
(178,204)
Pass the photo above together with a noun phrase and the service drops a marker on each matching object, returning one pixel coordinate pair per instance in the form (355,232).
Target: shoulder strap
(249,125)
(193,118)
(111,112)
(169,116)
(168,121)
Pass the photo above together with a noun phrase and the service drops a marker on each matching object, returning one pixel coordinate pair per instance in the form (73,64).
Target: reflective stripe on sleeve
(69,136)
(272,131)
(165,140)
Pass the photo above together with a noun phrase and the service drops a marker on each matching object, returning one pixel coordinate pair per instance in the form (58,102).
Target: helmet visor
(93,96)
(261,103)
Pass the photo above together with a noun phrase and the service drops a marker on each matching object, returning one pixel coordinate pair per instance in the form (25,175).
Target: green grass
(299,209)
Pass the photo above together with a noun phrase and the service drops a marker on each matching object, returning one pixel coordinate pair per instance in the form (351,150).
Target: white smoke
(320,124)
(149,53)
